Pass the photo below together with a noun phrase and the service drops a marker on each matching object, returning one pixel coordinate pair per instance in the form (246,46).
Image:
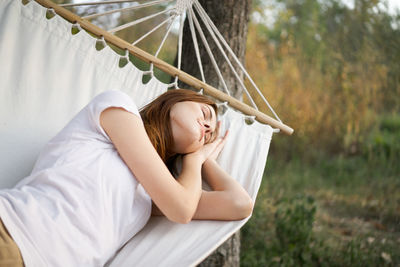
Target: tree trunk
(231,17)
(227,255)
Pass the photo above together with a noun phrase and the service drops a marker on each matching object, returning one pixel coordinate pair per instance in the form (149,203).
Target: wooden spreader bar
(171,70)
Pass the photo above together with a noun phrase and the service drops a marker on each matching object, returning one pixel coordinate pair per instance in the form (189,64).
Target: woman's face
(192,124)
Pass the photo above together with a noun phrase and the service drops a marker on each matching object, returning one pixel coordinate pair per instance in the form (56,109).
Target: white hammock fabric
(47,75)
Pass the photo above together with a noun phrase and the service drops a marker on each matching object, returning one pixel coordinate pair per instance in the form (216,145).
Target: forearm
(218,178)
(228,201)
(190,180)
(239,204)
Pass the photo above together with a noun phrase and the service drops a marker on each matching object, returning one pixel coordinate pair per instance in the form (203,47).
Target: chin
(190,148)
(187,144)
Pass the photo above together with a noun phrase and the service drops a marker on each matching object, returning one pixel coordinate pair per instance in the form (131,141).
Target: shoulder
(113,95)
(104,106)
(113,98)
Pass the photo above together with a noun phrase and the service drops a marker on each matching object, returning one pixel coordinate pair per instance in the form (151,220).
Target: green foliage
(383,142)
(293,241)
(331,71)
(345,149)
(294,219)
(330,224)
(333,74)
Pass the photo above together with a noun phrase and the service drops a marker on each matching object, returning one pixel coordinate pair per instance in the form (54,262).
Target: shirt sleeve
(108,99)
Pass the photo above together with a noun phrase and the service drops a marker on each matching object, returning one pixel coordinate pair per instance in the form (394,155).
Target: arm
(177,199)
(228,201)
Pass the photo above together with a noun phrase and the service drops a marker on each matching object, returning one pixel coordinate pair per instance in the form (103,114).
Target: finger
(223,138)
(222,141)
(217,142)
(226,134)
(218,149)
(217,129)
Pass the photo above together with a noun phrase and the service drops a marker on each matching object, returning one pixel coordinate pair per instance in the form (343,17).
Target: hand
(220,144)
(212,150)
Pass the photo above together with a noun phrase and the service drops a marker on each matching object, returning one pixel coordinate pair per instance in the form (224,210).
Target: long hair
(156,119)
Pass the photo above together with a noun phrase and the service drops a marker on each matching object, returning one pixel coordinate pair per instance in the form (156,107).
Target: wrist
(193,158)
(209,161)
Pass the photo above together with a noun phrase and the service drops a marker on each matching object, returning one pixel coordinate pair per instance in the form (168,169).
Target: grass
(356,220)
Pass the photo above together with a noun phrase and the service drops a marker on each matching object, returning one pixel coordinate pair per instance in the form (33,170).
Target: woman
(96,183)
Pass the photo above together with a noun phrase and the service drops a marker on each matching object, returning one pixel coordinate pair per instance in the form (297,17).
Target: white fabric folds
(47,75)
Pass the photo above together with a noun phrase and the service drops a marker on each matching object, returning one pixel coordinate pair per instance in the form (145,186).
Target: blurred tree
(231,18)
(332,68)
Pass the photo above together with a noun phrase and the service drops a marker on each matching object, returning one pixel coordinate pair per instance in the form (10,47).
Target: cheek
(185,137)
(183,128)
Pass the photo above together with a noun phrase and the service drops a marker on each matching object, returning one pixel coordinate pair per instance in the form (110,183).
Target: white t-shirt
(81,202)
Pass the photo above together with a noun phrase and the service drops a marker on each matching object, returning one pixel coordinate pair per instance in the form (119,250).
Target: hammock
(47,75)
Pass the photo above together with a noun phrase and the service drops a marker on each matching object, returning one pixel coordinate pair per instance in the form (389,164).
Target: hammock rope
(96,15)
(184,5)
(202,11)
(96,3)
(169,19)
(78,27)
(135,22)
(165,37)
(196,46)
(151,70)
(186,8)
(226,58)
(180,37)
(210,54)
(69,68)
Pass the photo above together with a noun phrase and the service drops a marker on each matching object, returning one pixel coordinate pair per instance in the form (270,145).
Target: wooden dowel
(171,70)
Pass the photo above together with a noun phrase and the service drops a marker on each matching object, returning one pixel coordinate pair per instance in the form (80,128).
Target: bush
(293,227)
(383,142)
(285,241)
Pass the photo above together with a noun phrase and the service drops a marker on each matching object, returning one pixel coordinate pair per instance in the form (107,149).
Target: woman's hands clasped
(211,150)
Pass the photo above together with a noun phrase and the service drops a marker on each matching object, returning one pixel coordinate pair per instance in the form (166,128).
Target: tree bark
(231,17)
(227,255)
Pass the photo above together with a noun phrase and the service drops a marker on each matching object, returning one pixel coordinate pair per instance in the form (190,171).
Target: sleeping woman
(97,182)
